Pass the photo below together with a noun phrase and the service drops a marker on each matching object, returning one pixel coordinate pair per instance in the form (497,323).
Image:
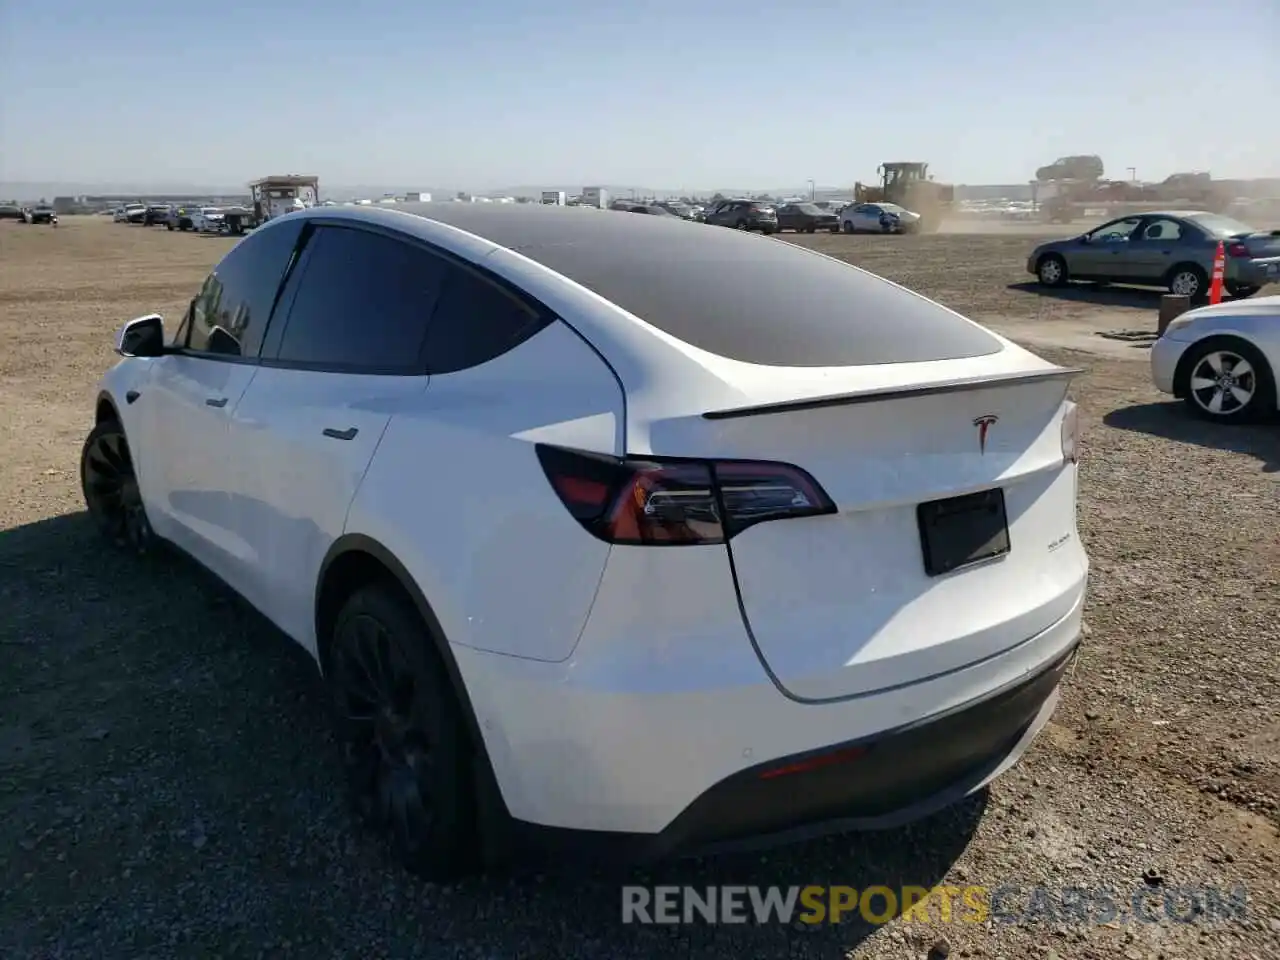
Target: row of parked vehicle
(191,217)
(40,213)
(801,216)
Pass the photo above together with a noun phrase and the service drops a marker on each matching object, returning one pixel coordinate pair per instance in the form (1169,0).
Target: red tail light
(1237,250)
(665,501)
(815,763)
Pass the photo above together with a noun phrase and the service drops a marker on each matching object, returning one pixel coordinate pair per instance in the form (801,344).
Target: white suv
(588,541)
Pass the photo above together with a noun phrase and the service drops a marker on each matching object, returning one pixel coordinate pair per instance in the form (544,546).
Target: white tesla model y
(612,528)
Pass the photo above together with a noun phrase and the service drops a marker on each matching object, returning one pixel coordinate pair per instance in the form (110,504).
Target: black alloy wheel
(404,743)
(110,486)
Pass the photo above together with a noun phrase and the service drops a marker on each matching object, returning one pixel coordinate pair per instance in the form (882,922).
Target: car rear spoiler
(962,385)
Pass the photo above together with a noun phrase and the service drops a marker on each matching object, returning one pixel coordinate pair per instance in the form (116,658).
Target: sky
(675,93)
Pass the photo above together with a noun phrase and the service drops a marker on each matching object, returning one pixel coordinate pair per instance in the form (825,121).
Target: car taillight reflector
(815,763)
(1237,250)
(1071,434)
(667,501)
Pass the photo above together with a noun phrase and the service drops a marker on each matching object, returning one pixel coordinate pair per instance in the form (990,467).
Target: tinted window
(362,303)
(231,312)
(475,321)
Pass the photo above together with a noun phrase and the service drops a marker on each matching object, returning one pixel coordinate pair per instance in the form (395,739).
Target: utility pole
(811,189)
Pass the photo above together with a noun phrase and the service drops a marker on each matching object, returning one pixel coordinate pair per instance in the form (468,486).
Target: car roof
(711,287)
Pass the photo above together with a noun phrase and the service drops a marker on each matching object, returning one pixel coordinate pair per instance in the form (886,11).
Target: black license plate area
(961,531)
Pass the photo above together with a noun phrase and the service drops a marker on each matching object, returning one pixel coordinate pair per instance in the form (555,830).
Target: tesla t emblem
(983,424)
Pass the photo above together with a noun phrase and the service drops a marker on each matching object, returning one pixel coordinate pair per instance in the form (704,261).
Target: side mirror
(143,337)
(1085,238)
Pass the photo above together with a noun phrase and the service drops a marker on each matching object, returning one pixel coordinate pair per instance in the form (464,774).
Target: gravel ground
(168,788)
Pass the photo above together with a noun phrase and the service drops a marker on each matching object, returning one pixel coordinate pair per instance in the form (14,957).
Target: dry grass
(167,787)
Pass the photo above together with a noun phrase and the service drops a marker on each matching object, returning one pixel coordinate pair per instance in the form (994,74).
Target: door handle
(220,402)
(347,434)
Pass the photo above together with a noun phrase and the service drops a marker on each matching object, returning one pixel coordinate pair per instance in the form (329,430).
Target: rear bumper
(657,726)
(1255,273)
(874,783)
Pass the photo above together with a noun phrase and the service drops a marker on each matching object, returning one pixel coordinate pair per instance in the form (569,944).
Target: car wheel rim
(111,491)
(1050,271)
(1185,284)
(388,743)
(1223,383)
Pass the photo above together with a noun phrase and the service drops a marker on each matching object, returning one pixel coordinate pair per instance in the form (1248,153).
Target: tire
(810,229)
(409,758)
(846,226)
(1188,280)
(1242,292)
(740,225)
(835,229)
(768,231)
(110,488)
(169,226)
(1244,397)
(1051,271)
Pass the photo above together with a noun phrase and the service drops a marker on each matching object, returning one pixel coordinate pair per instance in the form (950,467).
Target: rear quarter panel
(455,491)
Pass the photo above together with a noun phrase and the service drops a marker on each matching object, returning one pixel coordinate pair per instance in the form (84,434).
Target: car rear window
(783,306)
(730,293)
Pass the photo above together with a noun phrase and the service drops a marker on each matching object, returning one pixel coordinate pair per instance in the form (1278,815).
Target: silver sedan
(1222,360)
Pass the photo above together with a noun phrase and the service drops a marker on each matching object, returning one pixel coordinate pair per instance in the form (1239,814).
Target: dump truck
(273,197)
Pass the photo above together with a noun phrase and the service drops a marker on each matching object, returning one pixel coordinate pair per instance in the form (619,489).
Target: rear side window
(229,317)
(475,321)
(362,303)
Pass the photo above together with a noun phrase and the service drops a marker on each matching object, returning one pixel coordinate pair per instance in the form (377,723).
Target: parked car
(806,218)
(378,430)
(181,218)
(653,209)
(1170,249)
(133,213)
(677,209)
(744,215)
(1222,360)
(40,213)
(210,220)
(156,214)
(878,218)
(10,211)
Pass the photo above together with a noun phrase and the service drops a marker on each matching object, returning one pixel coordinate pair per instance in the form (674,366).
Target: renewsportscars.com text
(1008,903)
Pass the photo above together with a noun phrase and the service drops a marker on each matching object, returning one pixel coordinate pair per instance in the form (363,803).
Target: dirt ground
(168,787)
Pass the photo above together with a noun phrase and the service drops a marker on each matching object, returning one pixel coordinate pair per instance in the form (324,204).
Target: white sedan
(208,220)
(1222,359)
(878,218)
(582,553)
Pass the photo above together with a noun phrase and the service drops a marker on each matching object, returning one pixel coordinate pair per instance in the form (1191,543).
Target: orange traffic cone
(1219,268)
